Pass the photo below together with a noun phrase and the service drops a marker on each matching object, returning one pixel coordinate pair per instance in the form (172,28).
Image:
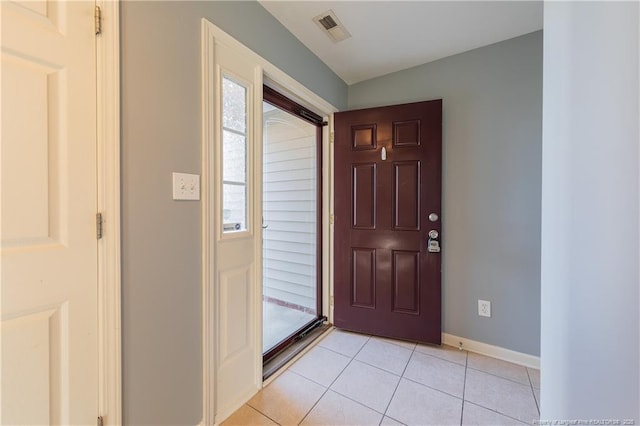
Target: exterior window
(234,156)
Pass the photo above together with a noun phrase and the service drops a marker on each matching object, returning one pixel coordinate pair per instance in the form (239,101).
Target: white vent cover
(331,25)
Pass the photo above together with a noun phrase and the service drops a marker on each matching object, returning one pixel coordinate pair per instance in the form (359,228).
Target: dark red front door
(388,164)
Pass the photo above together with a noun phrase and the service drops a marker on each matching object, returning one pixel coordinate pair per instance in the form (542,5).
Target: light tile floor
(354,379)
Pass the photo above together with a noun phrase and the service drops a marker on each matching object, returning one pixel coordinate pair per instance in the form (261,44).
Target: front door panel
(387,182)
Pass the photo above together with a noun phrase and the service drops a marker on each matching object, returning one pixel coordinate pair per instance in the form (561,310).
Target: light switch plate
(186,186)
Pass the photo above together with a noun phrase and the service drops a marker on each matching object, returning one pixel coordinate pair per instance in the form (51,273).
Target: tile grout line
(534,392)
(375,366)
(497,375)
(502,377)
(330,350)
(432,388)
(444,359)
(464,385)
(370,365)
(398,385)
(397,346)
(350,398)
(493,410)
(261,413)
(340,353)
(304,377)
(363,405)
(334,380)
(394,342)
(383,413)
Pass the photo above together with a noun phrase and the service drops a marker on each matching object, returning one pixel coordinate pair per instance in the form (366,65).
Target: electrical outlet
(186,186)
(484,308)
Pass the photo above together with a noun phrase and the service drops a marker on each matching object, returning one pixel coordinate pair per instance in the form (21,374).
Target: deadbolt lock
(433,245)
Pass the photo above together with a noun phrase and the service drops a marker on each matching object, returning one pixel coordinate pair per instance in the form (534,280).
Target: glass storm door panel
(291,229)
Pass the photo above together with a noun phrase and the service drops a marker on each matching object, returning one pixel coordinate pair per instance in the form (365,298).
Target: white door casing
(53,308)
(108,156)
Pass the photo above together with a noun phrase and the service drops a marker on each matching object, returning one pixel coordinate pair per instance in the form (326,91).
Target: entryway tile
(288,398)
(436,373)
(403,343)
(498,367)
(321,365)
(367,385)
(445,352)
(369,389)
(388,421)
(247,416)
(415,404)
(344,342)
(387,356)
(534,375)
(335,409)
(502,395)
(475,415)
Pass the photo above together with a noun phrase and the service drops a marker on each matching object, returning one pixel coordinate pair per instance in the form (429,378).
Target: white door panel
(48,195)
(237,285)
(232,275)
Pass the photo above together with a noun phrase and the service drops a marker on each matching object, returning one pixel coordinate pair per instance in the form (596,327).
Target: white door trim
(209,34)
(208,223)
(108,159)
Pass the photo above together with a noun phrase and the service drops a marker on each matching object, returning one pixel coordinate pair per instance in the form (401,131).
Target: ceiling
(389,36)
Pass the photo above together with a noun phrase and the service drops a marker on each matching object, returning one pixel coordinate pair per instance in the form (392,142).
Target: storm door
(291,234)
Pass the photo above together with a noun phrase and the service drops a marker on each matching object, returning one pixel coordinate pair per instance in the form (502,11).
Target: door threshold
(279,361)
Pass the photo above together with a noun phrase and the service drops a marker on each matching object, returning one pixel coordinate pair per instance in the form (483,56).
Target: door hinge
(332,218)
(99,225)
(331,301)
(98,20)
(332,137)
(100,421)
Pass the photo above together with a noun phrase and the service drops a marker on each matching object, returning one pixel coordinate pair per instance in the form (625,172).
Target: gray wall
(161,238)
(590,215)
(492,124)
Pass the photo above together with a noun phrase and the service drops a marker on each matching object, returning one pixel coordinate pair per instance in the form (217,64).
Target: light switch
(186,186)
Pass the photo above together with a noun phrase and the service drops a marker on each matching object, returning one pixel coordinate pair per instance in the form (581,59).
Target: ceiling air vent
(331,25)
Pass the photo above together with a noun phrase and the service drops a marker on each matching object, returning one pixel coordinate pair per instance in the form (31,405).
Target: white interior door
(232,319)
(48,185)
(238,88)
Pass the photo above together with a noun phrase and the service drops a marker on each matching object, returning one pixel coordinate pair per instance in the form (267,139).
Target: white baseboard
(519,358)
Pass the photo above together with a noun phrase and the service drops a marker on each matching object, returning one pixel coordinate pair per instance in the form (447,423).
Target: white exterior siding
(290,209)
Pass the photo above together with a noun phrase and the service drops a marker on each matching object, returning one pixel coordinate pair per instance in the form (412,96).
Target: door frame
(272,76)
(108,180)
